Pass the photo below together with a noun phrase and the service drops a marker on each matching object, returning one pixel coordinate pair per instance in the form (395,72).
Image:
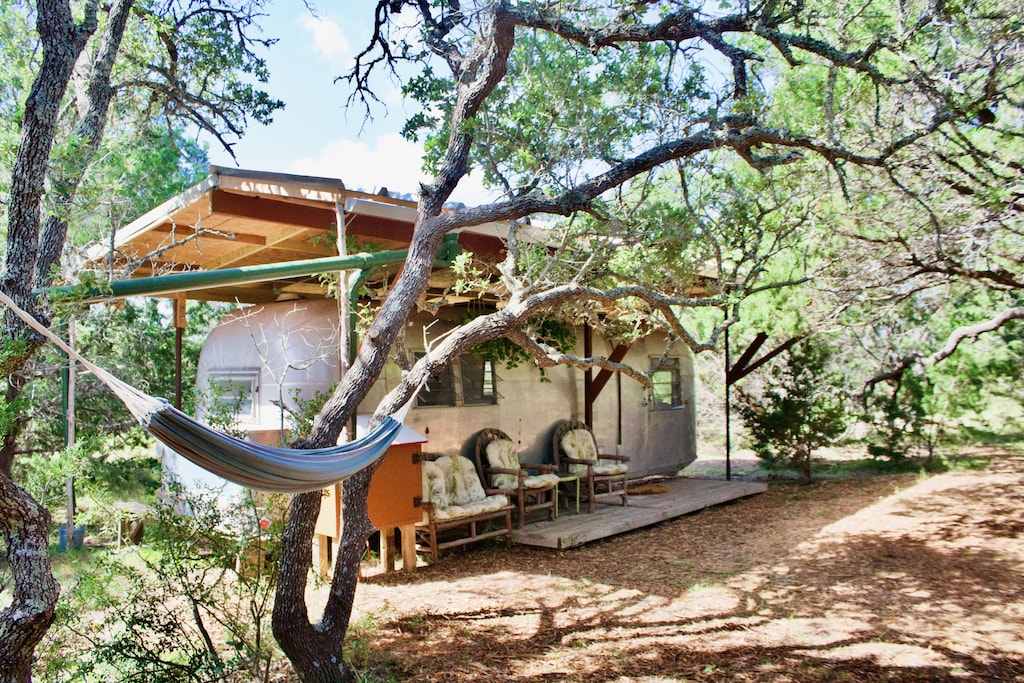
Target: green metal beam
(206,279)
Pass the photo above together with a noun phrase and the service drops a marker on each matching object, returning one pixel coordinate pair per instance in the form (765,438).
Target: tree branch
(948,348)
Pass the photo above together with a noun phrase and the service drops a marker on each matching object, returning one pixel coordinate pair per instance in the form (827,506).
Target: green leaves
(798,408)
(561,111)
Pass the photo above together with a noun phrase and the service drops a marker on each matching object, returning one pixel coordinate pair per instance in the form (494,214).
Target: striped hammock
(252,465)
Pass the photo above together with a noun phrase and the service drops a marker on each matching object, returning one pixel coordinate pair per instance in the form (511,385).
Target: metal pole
(728,435)
(346,308)
(180,322)
(165,285)
(344,351)
(68,381)
(588,377)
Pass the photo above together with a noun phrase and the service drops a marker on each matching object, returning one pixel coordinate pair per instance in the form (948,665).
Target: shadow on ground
(891,578)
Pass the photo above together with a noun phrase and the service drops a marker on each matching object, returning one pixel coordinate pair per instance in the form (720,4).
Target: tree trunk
(316,652)
(63,41)
(9,443)
(310,653)
(26,524)
(92,121)
(26,528)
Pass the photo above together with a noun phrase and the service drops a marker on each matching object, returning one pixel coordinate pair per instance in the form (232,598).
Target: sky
(315,134)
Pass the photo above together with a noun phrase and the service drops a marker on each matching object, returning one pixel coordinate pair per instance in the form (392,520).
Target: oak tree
(575,109)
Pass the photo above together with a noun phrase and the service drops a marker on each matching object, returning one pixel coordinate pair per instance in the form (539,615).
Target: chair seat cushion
(461,479)
(501,453)
(540,481)
(579,444)
(488,504)
(435,490)
(617,468)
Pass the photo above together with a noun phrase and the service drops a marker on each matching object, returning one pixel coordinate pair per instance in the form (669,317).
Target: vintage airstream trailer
(261,363)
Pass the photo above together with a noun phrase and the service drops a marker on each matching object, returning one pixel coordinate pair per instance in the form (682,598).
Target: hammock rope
(249,464)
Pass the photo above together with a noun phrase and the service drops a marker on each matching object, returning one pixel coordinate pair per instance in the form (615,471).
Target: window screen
(440,389)
(236,391)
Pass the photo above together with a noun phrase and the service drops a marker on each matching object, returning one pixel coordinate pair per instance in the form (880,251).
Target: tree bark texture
(92,121)
(316,651)
(63,41)
(26,528)
(24,523)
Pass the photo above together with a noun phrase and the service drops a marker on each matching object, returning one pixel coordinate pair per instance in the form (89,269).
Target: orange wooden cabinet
(393,501)
(396,488)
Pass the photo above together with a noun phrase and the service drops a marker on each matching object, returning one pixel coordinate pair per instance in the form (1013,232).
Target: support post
(180,322)
(728,406)
(588,377)
(68,380)
(408,533)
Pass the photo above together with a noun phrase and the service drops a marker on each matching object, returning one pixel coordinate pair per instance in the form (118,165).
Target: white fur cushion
(488,504)
(452,485)
(435,490)
(579,445)
(540,481)
(501,453)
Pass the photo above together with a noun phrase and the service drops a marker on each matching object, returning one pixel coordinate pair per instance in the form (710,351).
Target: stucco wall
(529,409)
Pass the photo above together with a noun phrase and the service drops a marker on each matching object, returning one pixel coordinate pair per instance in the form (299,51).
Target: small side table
(567,479)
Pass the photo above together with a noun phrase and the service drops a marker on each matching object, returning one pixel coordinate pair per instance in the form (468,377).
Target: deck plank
(571,530)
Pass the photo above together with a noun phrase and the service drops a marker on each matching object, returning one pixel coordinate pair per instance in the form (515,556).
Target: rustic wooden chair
(576,453)
(499,467)
(457,509)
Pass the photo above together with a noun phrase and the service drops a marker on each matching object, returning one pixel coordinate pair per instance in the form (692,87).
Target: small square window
(666,385)
(236,391)
(471,381)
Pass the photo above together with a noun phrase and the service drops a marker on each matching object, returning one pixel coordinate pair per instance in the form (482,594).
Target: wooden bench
(457,510)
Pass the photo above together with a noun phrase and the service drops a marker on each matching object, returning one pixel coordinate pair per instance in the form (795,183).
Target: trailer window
(666,385)
(471,381)
(236,391)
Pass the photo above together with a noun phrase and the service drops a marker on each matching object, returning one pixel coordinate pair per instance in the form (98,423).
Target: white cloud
(392,162)
(329,39)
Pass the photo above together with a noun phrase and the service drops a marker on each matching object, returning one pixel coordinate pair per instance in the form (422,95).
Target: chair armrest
(542,468)
(429,508)
(609,456)
(574,461)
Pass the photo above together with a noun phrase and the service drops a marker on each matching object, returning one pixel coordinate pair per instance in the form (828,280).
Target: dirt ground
(884,578)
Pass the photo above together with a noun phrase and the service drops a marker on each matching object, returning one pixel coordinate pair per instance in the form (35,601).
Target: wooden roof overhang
(238,218)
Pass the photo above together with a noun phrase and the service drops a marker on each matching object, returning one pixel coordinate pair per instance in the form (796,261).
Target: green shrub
(192,604)
(799,408)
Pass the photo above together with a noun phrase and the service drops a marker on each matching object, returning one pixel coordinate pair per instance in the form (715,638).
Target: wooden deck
(572,529)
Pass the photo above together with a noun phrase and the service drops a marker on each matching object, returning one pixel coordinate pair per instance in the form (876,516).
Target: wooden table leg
(387,549)
(408,547)
(323,544)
